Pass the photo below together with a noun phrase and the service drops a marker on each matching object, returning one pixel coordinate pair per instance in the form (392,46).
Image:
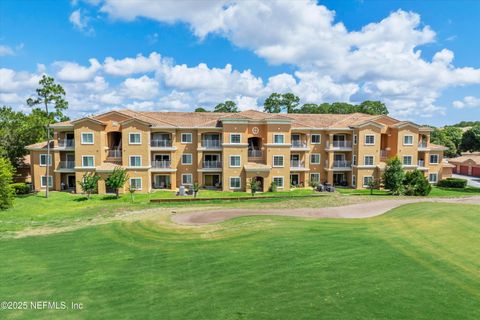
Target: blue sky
(420,57)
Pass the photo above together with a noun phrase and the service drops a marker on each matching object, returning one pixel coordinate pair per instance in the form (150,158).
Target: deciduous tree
(117,179)
(7,192)
(89,183)
(227,106)
(393,176)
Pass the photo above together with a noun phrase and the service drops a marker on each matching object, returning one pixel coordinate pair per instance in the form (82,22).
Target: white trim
(230,183)
(130,160)
(186,134)
(136,178)
(273,161)
(411,160)
(88,132)
(430,158)
(93,157)
(230,160)
(184,175)
(49,159)
(49,179)
(363,182)
(319,158)
(319,140)
(283,181)
(407,144)
(191,159)
(235,134)
(365,140)
(277,143)
(365,162)
(130,140)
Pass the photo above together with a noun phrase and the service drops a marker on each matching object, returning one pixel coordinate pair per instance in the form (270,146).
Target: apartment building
(164,150)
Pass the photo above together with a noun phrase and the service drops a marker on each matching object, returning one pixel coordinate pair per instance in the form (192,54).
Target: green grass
(436,192)
(420,261)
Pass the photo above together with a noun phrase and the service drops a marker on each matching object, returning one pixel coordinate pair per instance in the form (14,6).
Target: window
(234,161)
(407,160)
(367,180)
(278,138)
(315,158)
(354,180)
(136,183)
(407,140)
(355,139)
(369,139)
(135,161)
(368,160)
(43,160)
(278,161)
(434,158)
(278,181)
(187,178)
(235,183)
(186,138)
(187,158)
(87,161)
(134,138)
(43,181)
(432,177)
(316,138)
(354,160)
(87,138)
(315,177)
(235,138)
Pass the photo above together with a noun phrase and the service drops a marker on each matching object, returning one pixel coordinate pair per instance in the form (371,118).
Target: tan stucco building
(164,150)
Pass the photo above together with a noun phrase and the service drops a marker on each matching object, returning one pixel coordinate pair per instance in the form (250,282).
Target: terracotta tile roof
(475,158)
(438,147)
(39,145)
(445,164)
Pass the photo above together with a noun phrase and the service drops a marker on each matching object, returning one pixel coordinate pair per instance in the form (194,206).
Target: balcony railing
(297,164)
(255,153)
(114,153)
(209,143)
(342,164)
(66,143)
(421,163)
(298,144)
(162,164)
(422,145)
(67,164)
(212,164)
(339,145)
(161,143)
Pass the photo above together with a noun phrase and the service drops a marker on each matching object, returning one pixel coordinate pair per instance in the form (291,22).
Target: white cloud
(72,71)
(142,88)
(128,66)
(81,22)
(6,51)
(467,102)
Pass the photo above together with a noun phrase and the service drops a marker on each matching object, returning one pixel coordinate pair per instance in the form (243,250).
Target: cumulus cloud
(81,22)
(142,88)
(129,66)
(6,51)
(467,102)
(72,71)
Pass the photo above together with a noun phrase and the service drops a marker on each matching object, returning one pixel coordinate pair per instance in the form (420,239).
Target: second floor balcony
(161,143)
(298,144)
(66,143)
(339,164)
(211,164)
(254,153)
(211,144)
(297,164)
(66,165)
(114,153)
(161,164)
(339,145)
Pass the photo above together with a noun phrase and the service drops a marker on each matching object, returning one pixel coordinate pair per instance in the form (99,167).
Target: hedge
(21,188)
(452,183)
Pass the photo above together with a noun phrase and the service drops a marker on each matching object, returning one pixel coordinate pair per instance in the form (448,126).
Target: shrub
(393,176)
(117,179)
(416,184)
(452,183)
(89,183)
(313,183)
(273,187)
(6,190)
(21,188)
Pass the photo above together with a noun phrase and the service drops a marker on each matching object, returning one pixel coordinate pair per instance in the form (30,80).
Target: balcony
(383,155)
(114,153)
(66,144)
(342,164)
(255,153)
(423,146)
(66,165)
(162,164)
(296,165)
(211,144)
(299,145)
(211,164)
(161,143)
(339,145)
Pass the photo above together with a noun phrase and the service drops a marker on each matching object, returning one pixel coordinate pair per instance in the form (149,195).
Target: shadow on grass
(109,197)
(80,199)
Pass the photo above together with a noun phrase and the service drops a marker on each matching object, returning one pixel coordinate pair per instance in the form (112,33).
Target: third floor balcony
(339,145)
(211,164)
(214,144)
(66,144)
(161,164)
(161,143)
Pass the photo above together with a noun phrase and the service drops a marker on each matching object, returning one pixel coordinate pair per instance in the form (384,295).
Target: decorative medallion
(255,130)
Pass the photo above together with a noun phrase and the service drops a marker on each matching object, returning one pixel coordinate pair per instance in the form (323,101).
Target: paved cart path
(352,211)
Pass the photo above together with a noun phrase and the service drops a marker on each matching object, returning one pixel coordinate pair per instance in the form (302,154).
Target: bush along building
(165,150)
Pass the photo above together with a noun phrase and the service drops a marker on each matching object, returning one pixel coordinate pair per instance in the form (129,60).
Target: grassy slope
(436,192)
(420,261)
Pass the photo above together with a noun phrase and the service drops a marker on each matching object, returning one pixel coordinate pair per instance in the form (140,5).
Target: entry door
(71,181)
(294,178)
(162,181)
(338,178)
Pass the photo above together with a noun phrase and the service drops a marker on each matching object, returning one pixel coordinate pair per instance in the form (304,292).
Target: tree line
(456,139)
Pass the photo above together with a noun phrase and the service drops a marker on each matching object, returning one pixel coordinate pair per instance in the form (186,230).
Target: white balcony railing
(114,153)
(421,163)
(66,143)
(339,145)
(298,144)
(212,164)
(66,164)
(210,143)
(422,144)
(162,164)
(161,143)
(297,164)
(342,164)
(255,153)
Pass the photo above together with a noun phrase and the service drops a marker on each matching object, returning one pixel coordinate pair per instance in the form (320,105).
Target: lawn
(420,261)
(436,192)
